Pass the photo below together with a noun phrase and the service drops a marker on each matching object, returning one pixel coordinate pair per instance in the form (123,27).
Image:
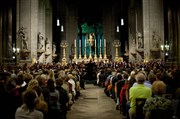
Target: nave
(94,104)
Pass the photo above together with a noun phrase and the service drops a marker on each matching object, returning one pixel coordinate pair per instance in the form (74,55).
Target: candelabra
(80,53)
(85,56)
(105,56)
(90,53)
(64,46)
(75,55)
(100,54)
(116,44)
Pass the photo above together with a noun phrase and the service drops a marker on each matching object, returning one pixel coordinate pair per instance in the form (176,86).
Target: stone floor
(94,104)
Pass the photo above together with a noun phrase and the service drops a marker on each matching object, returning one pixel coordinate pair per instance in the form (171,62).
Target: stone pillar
(41,29)
(178,40)
(48,31)
(109,30)
(153,21)
(1,31)
(27,17)
(70,30)
(34,27)
(132,32)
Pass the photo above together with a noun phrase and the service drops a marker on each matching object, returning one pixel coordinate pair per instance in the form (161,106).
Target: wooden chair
(139,108)
(161,114)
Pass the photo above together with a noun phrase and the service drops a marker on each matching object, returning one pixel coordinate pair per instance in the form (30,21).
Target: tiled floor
(94,104)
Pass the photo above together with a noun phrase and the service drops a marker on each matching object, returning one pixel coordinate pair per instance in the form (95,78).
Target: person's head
(30,99)
(151,77)
(158,87)
(59,81)
(50,85)
(140,78)
(32,83)
(41,80)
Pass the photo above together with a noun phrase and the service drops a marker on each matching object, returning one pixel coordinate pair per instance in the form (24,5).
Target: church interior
(89,59)
(123,30)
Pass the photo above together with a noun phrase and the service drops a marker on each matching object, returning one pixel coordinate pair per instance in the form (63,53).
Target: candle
(104,42)
(85,43)
(75,43)
(79,42)
(100,43)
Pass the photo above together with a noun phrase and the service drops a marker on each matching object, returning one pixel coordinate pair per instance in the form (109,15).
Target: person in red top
(123,98)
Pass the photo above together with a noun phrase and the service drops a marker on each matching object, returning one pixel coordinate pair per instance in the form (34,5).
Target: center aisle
(94,104)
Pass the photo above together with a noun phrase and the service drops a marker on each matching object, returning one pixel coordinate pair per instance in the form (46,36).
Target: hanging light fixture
(122,22)
(58,22)
(117,29)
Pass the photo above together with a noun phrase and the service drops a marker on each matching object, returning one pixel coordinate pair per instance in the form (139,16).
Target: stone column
(70,30)
(48,30)
(109,30)
(132,32)
(41,28)
(27,17)
(153,21)
(34,27)
(1,31)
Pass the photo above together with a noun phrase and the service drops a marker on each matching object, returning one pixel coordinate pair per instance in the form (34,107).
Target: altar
(90,48)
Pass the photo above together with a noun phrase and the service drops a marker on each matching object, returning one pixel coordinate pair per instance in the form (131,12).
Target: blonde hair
(158,87)
(32,83)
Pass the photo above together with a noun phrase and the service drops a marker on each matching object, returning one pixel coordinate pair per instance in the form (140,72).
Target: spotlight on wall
(58,22)
(62,28)
(122,22)
(117,29)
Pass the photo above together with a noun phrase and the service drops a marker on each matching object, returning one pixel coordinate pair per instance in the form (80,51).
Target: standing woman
(27,110)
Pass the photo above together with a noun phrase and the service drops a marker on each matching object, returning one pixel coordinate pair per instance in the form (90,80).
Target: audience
(59,85)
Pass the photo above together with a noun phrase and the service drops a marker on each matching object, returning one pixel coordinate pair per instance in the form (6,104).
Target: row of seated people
(151,88)
(40,96)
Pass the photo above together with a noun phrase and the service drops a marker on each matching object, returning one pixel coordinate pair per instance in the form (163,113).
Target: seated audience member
(63,97)
(123,98)
(157,101)
(27,110)
(138,91)
(53,104)
(146,82)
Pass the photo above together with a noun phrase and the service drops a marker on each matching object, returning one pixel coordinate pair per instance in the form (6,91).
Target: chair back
(161,114)
(139,108)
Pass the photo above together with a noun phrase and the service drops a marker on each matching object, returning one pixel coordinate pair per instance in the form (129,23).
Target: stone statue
(155,40)
(140,40)
(40,41)
(47,45)
(23,37)
(54,49)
